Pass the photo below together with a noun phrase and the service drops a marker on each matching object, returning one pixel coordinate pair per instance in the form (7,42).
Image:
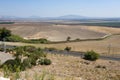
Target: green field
(107,24)
(7,22)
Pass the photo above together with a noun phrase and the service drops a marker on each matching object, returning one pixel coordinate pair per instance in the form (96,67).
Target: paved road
(81,54)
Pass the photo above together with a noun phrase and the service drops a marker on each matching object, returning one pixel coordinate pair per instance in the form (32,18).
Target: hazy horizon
(55,8)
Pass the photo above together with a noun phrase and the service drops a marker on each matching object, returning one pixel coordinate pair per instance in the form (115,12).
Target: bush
(27,63)
(42,40)
(68,38)
(4,33)
(45,61)
(11,64)
(14,38)
(91,55)
(67,48)
(50,49)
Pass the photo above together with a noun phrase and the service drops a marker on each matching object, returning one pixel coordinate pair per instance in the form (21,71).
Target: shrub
(11,65)
(27,63)
(91,55)
(100,66)
(68,38)
(50,49)
(29,49)
(77,39)
(41,62)
(45,61)
(4,33)
(42,40)
(67,48)
(14,38)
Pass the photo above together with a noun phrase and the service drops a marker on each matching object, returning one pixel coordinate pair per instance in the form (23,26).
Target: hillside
(52,32)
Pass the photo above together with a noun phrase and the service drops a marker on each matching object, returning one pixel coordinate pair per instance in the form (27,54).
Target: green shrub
(42,40)
(91,55)
(27,63)
(41,62)
(67,48)
(11,65)
(14,38)
(30,49)
(45,61)
(4,33)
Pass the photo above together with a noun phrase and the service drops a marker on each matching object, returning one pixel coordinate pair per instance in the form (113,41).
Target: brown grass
(51,31)
(61,32)
(75,68)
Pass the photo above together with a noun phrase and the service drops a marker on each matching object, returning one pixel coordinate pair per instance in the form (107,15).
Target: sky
(55,8)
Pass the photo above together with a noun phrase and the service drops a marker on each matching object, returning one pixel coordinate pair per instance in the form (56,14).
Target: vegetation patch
(7,22)
(41,40)
(91,55)
(45,61)
(67,48)
(107,24)
(25,57)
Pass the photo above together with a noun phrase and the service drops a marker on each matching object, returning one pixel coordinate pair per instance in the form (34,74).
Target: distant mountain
(69,17)
(65,17)
(8,18)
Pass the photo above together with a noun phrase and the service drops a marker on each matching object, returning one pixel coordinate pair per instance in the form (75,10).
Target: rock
(2,78)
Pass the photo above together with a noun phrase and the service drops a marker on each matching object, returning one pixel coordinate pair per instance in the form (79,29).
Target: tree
(68,38)
(67,49)
(4,33)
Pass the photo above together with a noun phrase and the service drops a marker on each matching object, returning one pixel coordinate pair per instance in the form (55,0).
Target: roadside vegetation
(91,55)
(68,48)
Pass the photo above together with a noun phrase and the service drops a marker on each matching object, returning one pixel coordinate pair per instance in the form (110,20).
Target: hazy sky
(53,8)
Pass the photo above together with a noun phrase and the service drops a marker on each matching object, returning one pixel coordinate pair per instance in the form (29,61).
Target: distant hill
(65,17)
(70,17)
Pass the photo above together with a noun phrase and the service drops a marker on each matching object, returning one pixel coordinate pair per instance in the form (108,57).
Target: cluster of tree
(6,35)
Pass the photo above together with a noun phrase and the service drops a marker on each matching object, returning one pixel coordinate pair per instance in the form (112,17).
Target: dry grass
(75,68)
(61,32)
(98,46)
(51,31)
